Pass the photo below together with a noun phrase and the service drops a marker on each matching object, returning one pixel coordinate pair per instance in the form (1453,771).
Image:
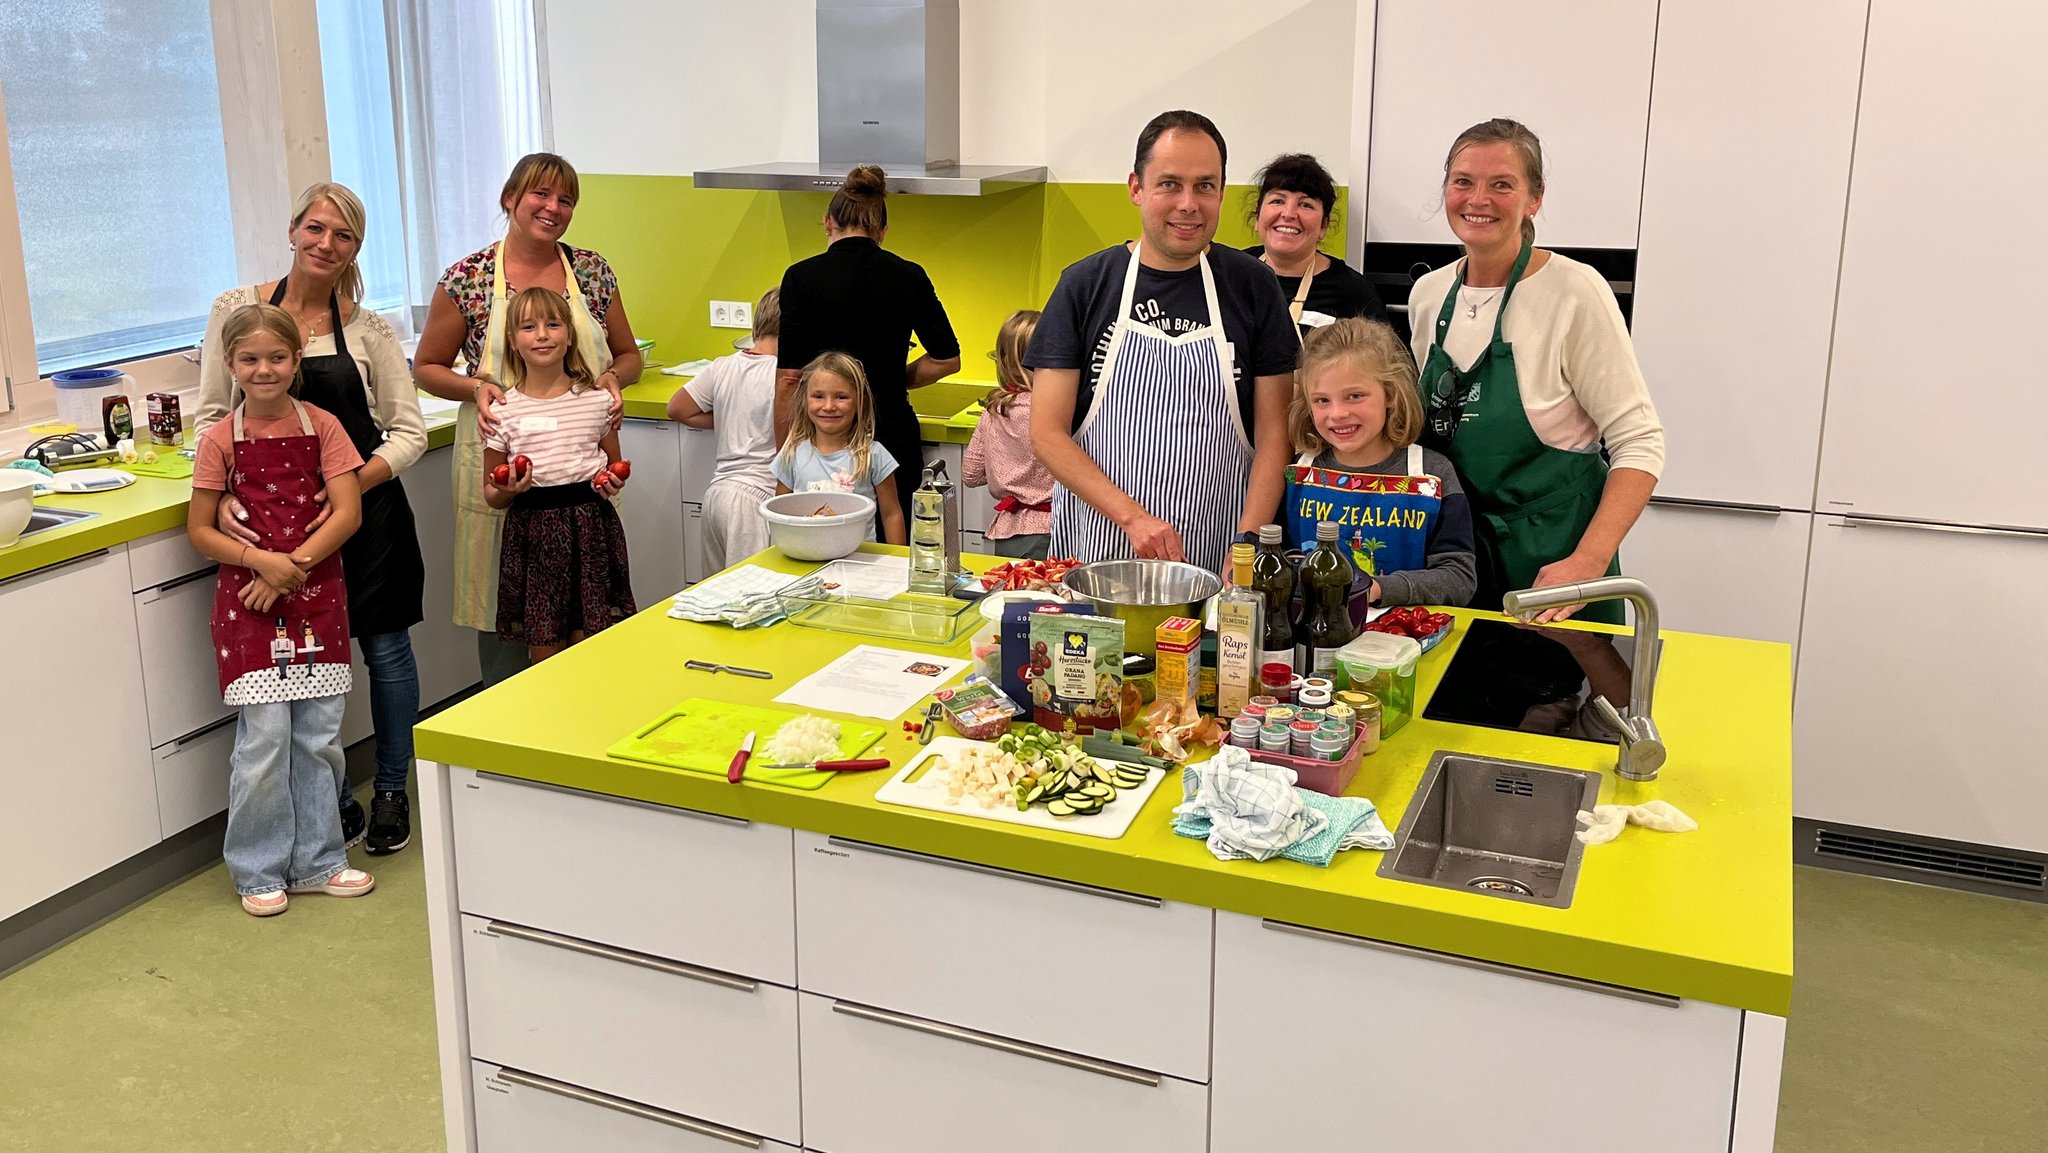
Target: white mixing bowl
(17,502)
(802,536)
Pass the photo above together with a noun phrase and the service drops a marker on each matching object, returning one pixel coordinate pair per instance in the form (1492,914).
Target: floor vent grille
(1919,857)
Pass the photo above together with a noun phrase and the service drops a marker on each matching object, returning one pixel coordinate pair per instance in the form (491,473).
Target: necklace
(1472,307)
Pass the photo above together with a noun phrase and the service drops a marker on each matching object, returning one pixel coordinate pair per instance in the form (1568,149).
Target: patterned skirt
(562,566)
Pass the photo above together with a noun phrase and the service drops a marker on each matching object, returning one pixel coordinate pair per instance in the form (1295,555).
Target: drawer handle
(1851,520)
(215,727)
(586,794)
(625,956)
(1716,505)
(50,568)
(1001,1044)
(155,593)
(1665,1000)
(992,871)
(630,1108)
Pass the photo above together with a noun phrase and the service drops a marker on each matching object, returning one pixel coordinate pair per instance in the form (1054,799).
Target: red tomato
(622,469)
(502,475)
(522,464)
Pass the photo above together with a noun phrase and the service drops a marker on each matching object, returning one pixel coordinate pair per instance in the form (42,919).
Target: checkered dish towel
(1248,810)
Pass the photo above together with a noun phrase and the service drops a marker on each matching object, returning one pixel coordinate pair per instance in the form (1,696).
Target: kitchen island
(652,959)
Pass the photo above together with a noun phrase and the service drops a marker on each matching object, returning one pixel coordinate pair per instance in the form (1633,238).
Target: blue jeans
(284,820)
(394,704)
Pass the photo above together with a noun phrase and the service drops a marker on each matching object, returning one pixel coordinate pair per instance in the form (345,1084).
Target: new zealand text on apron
(1164,427)
(382,563)
(477,524)
(299,649)
(1533,501)
(1383,522)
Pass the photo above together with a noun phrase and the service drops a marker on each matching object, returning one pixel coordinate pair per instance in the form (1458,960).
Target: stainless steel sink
(1502,828)
(45,519)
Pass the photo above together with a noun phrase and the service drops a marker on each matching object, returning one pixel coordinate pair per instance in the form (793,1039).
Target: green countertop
(1705,915)
(946,411)
(148,506)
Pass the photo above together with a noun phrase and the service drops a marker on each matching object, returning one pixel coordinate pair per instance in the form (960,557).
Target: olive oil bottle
(1274,576)
(1325,624)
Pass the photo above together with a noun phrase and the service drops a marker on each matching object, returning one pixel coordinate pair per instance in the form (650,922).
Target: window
(362,141)
(113,126)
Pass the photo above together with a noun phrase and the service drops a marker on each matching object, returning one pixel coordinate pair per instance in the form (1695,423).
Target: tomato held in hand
(622,469)
(502,476)
(522,465)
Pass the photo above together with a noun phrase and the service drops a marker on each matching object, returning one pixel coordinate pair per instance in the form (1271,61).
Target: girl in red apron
(280,616)
(1403,519)
(562,557)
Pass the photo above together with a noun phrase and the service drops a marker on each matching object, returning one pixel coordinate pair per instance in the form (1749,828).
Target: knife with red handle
(739,760)
(835,766)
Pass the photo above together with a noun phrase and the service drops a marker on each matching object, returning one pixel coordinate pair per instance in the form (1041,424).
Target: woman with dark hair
(467,318)
(861,300)
(1292,210)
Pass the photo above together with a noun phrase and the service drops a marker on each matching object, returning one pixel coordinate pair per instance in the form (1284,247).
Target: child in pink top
(999,454)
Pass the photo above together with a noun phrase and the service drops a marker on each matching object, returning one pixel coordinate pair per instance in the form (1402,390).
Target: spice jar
(1278,681)
(1299,734)
(1244,731)
(1316,692)
(1368,707)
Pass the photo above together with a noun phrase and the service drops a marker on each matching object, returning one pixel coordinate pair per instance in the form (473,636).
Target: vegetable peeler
(711,667)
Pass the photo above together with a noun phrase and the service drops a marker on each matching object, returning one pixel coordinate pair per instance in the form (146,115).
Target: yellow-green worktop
(1704,915)
(148,506)
(946,411)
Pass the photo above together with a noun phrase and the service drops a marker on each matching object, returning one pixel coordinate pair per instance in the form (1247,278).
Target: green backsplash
(677,247)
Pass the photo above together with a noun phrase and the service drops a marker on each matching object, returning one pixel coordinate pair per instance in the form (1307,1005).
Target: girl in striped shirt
(562,571)
(999,455)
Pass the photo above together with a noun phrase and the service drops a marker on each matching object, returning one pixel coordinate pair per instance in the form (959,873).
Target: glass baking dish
(845,604)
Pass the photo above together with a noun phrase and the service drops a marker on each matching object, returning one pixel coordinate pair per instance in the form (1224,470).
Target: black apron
(381,563)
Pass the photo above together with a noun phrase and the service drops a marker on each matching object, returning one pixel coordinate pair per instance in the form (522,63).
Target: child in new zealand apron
(477,524)
(1383,522)
(1533,501)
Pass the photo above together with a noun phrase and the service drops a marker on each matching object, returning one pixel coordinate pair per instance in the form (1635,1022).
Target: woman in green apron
(467,317)
(1531,383)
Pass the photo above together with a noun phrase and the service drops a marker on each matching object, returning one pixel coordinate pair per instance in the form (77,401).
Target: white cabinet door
(695,568)
(445,652)
(521,1112)
(1938,308)
(173,623)
(652,509)
(1916,719)
(1581,81)
(1738,365)
(1437,1055)
(192,776)
(1734,572)
(880,1082)
(76,733)
(699,448)
(941,940)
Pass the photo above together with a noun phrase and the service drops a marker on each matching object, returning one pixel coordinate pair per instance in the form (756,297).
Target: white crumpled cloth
(1605,822)
(1253,810)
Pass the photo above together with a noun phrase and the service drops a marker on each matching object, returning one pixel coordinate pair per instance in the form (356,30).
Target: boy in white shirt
(735,397)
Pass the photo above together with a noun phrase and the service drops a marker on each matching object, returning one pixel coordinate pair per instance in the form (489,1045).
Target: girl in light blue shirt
(831,444)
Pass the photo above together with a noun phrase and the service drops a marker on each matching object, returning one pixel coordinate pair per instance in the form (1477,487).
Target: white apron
(476,522)
(1164,427)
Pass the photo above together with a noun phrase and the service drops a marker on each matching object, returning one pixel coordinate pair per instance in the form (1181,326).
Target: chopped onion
(803,739)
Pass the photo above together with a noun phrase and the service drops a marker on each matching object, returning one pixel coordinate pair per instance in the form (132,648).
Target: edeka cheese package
(1016,645)
(1077,665)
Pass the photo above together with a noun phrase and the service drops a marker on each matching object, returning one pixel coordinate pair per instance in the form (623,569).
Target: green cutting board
(701,736)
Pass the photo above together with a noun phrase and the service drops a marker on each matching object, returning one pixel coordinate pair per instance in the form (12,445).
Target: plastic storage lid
(1381,650)
(85,377)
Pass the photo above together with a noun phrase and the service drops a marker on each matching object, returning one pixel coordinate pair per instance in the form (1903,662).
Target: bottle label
(1276,657)
(1237,626)
(1311,661)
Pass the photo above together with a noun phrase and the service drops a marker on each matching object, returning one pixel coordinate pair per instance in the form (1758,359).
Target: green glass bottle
(1325,624)
(1274,576)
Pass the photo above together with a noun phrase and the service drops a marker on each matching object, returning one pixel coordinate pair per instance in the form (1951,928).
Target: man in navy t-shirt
(1162,372)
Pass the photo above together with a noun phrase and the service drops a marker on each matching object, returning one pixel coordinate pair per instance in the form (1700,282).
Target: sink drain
(1500,885)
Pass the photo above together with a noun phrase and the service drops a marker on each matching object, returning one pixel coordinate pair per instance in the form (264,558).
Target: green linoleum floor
(1919,1022)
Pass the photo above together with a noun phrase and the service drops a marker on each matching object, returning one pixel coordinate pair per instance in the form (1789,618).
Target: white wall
(662,87)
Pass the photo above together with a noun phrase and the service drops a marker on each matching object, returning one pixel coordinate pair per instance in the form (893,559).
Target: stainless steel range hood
(888,94)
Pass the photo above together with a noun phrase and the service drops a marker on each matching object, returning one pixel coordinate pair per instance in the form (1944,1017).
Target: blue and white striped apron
(1164,427)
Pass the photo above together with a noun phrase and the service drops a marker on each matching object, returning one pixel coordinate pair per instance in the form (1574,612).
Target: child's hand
(276,569)
(605,483)
(258,597)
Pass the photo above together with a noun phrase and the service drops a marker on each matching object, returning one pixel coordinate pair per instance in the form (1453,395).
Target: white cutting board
(1112,821)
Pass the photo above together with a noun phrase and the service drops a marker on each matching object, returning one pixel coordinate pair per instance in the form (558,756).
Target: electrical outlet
(743,316)
(731,314)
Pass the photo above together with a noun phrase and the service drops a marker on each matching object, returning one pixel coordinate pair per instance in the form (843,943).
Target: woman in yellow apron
(467,317)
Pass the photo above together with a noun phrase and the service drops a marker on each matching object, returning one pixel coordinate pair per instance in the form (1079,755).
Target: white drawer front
(633,1026)
(192,776)
(700,888)
(518,1112)
(957,944)
(871,1086)
(180,689)
(161,557)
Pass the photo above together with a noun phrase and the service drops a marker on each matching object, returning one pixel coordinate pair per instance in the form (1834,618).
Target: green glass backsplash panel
(677,247)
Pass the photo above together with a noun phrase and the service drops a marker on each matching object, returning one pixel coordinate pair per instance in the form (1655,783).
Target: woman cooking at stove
(1292,210)
(1527,373)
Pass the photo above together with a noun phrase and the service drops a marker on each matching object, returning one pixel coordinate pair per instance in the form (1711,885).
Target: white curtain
(468,76)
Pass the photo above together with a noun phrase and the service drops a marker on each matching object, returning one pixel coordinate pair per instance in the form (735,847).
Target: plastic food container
(1384,665)
(977,708)
(80,391)
(800,535)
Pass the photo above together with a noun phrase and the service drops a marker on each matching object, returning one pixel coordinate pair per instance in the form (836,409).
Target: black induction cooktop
(1534,679)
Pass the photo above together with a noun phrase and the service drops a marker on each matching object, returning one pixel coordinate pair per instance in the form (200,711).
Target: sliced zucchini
(1060,808)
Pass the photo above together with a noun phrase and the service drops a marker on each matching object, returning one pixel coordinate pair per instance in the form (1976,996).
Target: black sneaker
(352,821)
(390,822)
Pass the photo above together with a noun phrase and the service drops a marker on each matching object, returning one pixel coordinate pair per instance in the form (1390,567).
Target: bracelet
(244,557)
